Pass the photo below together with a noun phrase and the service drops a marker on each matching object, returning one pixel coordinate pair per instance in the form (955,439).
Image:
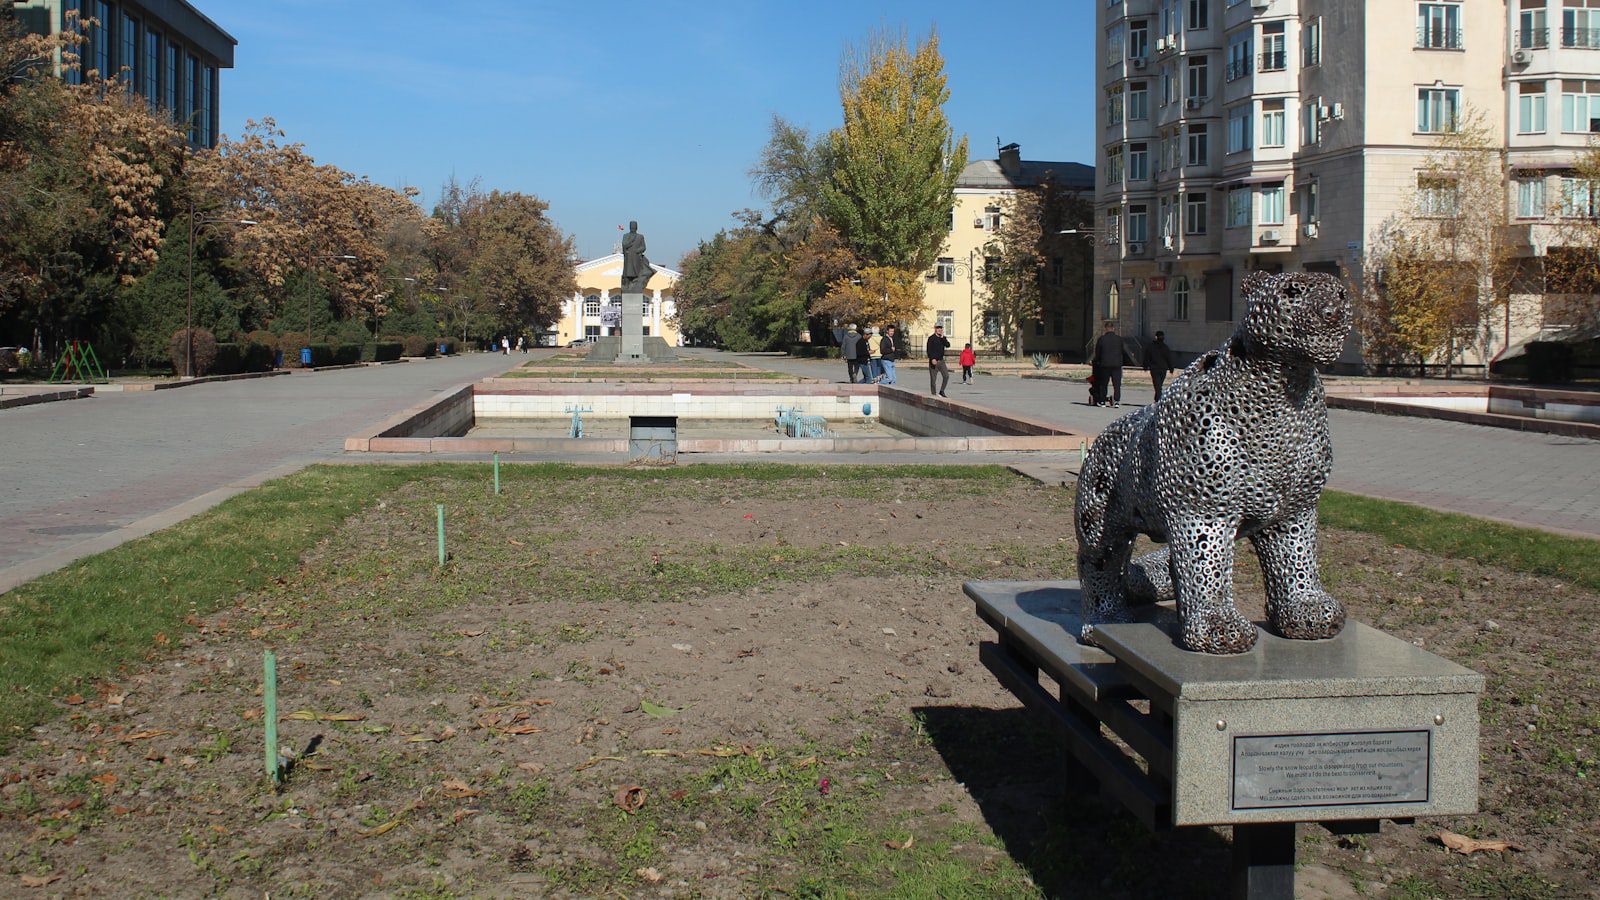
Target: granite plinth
(632,328)
(1360,727)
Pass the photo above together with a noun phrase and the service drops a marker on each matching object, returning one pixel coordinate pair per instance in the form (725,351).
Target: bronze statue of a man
(636,269)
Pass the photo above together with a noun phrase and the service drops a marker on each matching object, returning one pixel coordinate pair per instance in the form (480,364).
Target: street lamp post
(188,314)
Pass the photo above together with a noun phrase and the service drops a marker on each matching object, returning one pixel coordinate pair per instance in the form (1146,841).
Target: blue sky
(612,111)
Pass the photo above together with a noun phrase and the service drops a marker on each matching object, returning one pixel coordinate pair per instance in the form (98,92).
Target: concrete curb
(140,387)
(22,573)
(8,402)
(1491,420)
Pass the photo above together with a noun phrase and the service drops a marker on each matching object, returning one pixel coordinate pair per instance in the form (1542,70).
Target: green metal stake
(441,535)
(269,698)
(497,474)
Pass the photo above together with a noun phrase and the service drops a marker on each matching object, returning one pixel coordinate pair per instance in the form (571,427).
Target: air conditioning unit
(1167,243)
(977,222)
(1161,45)
(1135,248)
(1309,229)
(1270,236)
(1171,42)
(1138,62)
(1259,5)
(1194,102)
(1324,113)
(1521,57)
(1336,111)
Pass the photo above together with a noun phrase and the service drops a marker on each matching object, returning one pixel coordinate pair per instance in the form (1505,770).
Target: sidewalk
(1535,480)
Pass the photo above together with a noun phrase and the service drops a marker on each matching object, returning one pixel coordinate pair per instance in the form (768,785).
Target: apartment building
(954,290)
(1244,135)
(166,50)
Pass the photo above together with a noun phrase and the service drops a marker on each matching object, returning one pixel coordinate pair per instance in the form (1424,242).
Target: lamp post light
(305,353)
(188,314)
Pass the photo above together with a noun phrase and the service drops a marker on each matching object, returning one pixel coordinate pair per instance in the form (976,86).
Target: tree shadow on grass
(1073,845)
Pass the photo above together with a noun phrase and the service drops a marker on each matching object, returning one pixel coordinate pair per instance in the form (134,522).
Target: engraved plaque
(1359,768)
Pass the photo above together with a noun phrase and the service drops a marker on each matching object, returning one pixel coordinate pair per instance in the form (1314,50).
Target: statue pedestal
(632,329)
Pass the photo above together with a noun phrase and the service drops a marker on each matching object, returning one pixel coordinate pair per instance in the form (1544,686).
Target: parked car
(580,342)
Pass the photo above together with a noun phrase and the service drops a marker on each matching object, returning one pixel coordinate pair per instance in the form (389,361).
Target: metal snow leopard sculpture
(1237,446)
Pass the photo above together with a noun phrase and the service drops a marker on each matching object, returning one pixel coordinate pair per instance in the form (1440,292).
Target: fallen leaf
(115,699)
(472,634)
(306,715)
(514,542)
(455,787)
(439,738)
(39,881)
(679,794)
(162,639)
(629,799)
(462,814)
(385,828)
(121,810)
(521,729)
(142,736)
(726,752)
(252,714)
(108,779)
(1466,846)
(805,763)
(658,711)
(648,873)
(533,767)
(896,845)
(74,700)
(595,761)
(661,752)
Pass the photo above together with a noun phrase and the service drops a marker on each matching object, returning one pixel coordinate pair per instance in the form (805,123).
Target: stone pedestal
(632,328)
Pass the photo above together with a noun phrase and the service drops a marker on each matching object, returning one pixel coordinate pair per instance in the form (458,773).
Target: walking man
(847,349)
(937,345)
(1158,361)
(890,348)
(1110,353)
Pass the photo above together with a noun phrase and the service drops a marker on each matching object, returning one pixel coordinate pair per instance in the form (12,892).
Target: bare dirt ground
(701,687)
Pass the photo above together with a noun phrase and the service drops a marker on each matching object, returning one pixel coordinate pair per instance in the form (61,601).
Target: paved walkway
(1545,481)
(73,475)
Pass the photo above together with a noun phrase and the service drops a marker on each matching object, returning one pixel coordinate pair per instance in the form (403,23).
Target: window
(1580,107)
(946,319)
(1114,107)
(128,53)
(591,331)
(191,93)
(1239,129)
(1195,208)
(1114,164)
(1272,204)
(1138,161)
(1111,300)
(150,70)
(1580,24)
(1530,198)
(1138,224)
(1058,323)
(945,271)
(1199,78)
(1238,208)
(1533,28)
(1274,47)
(1530,107)
(1168,227)
(1058,270)
(1272,123)
(1114,45)
(1310,123)
(97,55)
(1436,197)
(206,114)
(1310,203)
(1138,101)
(991,267)
(1199,151)
(1311,42)
(1169,18)
(1437,109)
(1180,298)
(991,324)
(991,218)
(1439,26)
(1114,225)
(1169,91)
(1238,57)
(1580,198)
(1219,303)
(1138,40)
(1199,14)
(169,81)
(1038,328)
(591,305)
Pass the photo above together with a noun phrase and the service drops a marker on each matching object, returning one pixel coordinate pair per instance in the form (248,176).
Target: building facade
(954,290)
(167,51)
(596,309)
(1277,135)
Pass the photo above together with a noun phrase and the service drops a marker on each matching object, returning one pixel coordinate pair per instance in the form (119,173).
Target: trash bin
(441,348)
(277,359)
(305,357)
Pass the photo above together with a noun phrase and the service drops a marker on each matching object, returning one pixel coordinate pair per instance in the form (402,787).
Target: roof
(986,173)
(615,259)
(194,26)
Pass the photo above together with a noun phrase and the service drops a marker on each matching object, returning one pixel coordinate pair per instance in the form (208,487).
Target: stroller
(1094,390)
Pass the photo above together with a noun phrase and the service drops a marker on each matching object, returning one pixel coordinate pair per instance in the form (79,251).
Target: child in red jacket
(968,360)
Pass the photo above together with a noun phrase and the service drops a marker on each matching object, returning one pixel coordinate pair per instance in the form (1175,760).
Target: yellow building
(596,309)
(954,290)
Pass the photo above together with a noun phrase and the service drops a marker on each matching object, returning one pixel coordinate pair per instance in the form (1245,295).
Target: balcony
(1236,70)
(1581,38)
(1438,37)
(1274,61)
(1530,39)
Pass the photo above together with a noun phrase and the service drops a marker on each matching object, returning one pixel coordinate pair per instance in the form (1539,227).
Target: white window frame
(1438,109)
(1531,198)
(1274,125)
(1272,204)
(1239,208)
(1196,208)
(1531,118)
(1180,299)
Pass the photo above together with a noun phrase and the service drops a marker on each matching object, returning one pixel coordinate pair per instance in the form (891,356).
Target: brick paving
(1544,481)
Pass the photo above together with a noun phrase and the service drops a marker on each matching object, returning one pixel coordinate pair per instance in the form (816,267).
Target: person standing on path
(505,345)
(848,348)
(891,350)
(968,360)
(1158,361)
(1110,354)
(871,355)
(937,345)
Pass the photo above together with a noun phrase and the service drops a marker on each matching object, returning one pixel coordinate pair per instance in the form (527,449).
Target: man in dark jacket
(1158,361)
(937,345)
(1110,354)
(892,350)
(847,350)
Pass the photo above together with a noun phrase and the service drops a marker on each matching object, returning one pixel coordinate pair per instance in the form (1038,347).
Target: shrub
(451,346)
(204,345)
(264,338)
(387,351)
(230,360)
(417,345)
